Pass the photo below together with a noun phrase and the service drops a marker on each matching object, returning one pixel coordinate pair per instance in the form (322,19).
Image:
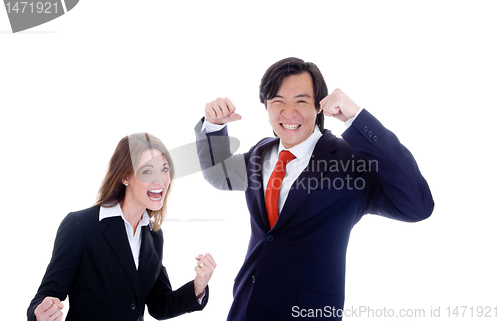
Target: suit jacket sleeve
(163,303)
(221,168)
(398,189)
(68,248)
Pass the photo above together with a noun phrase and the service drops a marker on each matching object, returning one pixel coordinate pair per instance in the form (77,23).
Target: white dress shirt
(294,168)
(134,240)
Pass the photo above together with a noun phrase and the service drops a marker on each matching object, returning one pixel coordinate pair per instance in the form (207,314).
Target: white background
(429,71)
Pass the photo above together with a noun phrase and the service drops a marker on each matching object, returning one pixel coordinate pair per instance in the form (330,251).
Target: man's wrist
(349,122)
(209,127)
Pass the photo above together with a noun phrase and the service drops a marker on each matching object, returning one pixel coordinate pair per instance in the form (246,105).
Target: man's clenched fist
(338,105)
(221,111)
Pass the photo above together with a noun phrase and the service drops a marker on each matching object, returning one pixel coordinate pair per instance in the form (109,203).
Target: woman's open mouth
(155,194)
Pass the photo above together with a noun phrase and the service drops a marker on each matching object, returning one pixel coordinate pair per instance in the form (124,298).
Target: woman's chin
(157,207)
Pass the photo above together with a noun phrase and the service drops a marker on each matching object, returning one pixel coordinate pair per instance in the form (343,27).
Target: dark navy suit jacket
(300,263)
(93,264)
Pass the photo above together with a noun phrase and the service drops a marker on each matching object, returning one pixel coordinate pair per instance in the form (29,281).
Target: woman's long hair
(121,165)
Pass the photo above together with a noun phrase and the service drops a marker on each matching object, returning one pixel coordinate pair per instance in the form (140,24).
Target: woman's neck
(132,212)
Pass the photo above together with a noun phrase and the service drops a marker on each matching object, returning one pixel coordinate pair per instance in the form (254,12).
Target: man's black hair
(272,79)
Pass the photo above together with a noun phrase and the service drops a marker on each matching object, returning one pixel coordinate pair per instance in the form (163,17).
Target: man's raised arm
(220,167)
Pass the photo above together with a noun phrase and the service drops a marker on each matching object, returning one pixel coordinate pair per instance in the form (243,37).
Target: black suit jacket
(299,264)
(93,264)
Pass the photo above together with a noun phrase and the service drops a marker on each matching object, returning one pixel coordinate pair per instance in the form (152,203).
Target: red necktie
(274,185)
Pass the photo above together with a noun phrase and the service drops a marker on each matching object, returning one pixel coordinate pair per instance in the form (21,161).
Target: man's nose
(289,111)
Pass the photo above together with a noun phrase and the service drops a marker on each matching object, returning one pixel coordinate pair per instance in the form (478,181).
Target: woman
(108,258)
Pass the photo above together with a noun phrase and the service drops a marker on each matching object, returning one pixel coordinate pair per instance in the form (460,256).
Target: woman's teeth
(155,194)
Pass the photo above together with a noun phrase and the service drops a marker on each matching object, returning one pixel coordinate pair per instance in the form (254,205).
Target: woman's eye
(166,169)
(147,172)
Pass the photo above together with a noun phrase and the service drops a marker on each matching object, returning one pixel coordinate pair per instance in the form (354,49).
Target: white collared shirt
(294,168)
(134,240)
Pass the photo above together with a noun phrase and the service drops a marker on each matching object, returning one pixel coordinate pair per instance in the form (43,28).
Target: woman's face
(149,184)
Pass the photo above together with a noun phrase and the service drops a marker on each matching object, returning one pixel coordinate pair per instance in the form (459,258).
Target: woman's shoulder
(87,215)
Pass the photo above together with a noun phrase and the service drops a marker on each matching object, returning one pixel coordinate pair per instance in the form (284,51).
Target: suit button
(365,129)
(270,238)
(370,134)
(132,306)
(375,138)
(253,279)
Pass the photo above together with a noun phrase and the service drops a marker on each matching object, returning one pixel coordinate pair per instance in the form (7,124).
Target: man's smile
(290,126)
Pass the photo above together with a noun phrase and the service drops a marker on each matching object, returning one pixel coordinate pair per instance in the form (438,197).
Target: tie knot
(286,156)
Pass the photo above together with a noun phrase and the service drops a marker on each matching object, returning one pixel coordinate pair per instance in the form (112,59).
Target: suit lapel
(147,251)
(117,238)
(256,185)
(312,174)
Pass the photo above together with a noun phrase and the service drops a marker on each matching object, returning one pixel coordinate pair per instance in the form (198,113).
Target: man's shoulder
(334,144)
(266,141)
(263,144)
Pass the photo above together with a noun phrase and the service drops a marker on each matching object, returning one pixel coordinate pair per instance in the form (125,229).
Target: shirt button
(270,238)
(370,134)
(375,138)
(253,279)
(365,128)
(132,306)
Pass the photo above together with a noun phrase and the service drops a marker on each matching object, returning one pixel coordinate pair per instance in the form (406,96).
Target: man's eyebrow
(298,96)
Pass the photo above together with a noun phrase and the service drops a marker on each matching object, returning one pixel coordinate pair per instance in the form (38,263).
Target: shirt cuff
(200,297)
(208,127)
(348,122)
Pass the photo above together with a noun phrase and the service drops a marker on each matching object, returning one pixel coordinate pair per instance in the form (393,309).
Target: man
(305,190)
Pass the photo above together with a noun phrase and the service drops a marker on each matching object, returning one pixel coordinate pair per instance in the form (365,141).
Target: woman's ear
(125,181)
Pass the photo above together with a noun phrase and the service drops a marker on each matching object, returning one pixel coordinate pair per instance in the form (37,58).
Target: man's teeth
(291,127)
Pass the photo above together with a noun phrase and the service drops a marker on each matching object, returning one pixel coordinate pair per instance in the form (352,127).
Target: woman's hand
(49,310)
(204,269)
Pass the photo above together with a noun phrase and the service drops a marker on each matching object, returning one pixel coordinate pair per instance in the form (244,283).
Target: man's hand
(338,105)
(221,111)
(204,269)
(49,310)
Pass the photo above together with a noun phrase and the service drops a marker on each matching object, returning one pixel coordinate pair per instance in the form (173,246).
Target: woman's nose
(160,178)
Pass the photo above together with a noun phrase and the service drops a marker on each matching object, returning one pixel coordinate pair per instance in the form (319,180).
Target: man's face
(292,113)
